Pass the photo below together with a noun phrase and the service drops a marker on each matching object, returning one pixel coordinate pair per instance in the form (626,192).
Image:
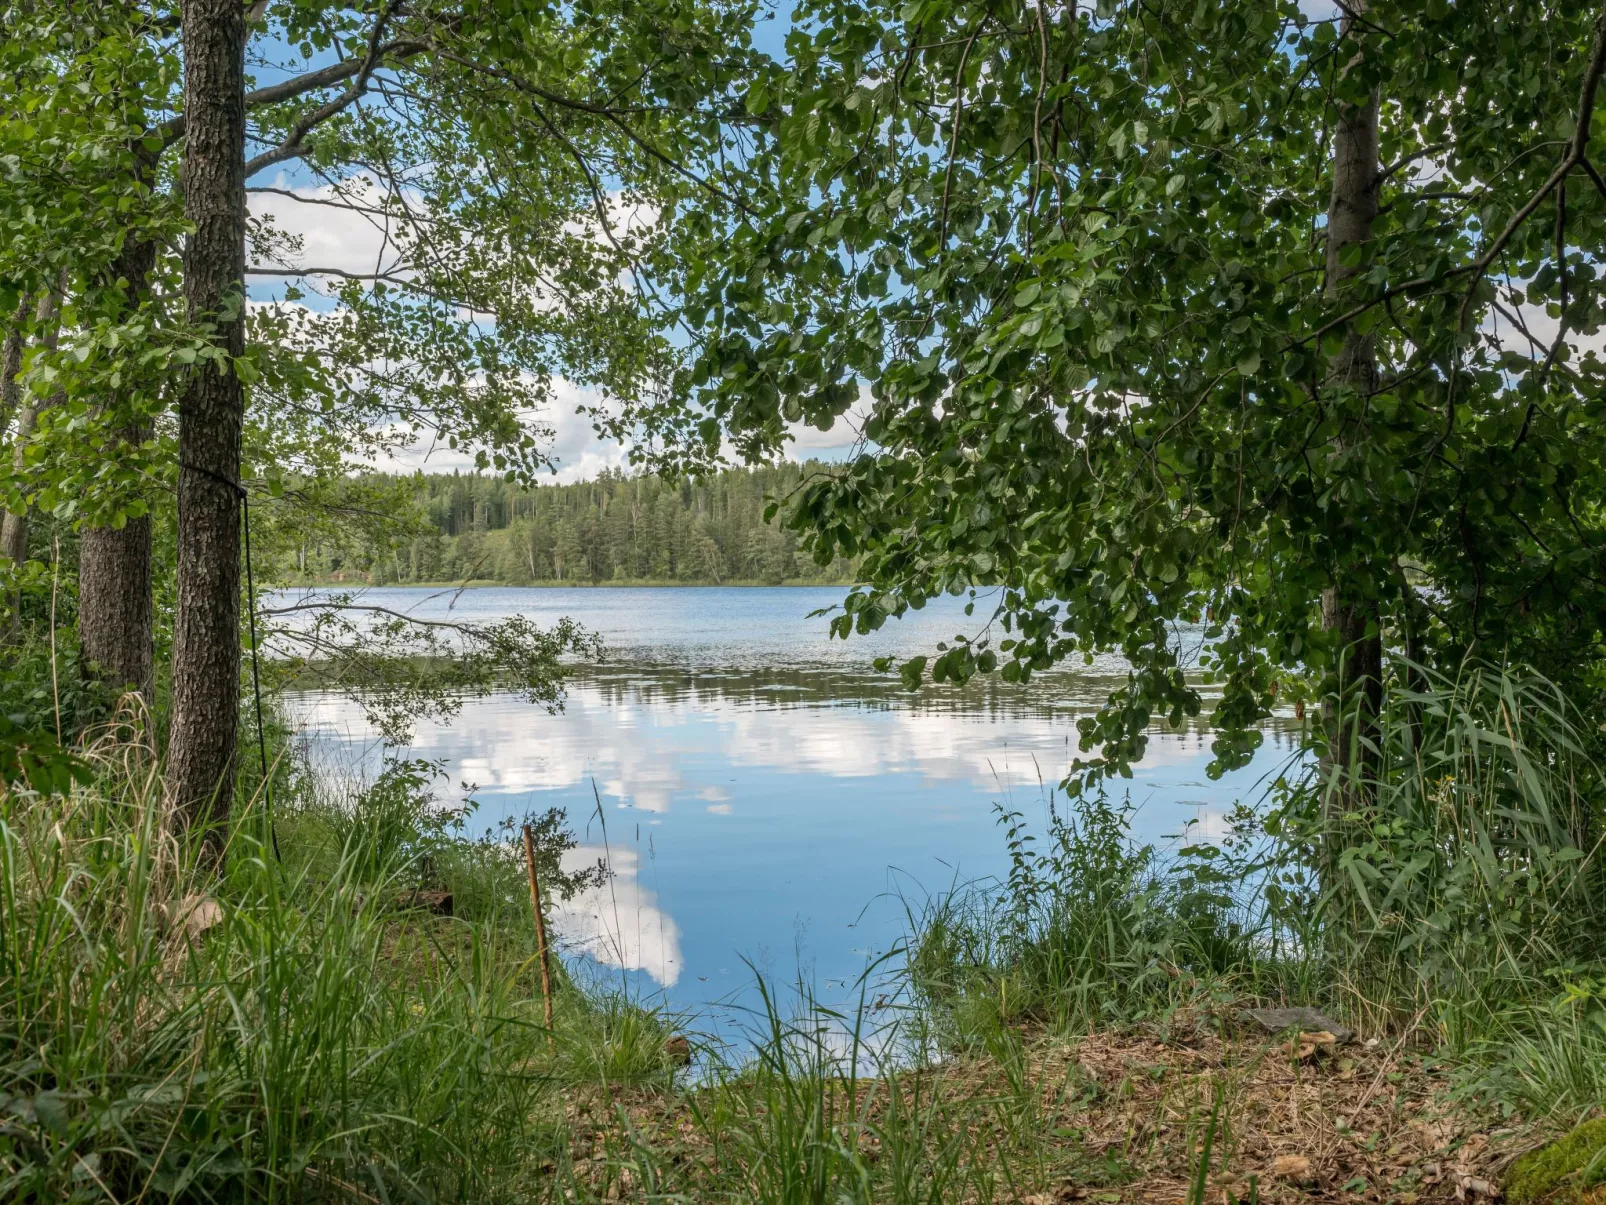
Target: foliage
(399,820)
(403,668)
(1077,262)
(42,686)
(615,528)
(36,761)
(491,286)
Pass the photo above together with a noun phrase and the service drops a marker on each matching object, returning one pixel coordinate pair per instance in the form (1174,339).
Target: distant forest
(618,528)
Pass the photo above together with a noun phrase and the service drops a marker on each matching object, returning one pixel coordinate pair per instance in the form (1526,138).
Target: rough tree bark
(1349,608)
(14,527)
(115,608)
(10,366)
(206,635)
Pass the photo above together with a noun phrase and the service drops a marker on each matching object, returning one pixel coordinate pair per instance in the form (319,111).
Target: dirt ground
(1303,1120)
(1122,1119)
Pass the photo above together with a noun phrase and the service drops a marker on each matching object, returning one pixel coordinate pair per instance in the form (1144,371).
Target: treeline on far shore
(619,528)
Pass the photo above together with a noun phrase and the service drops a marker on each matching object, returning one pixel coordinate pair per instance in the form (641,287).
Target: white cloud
(619,924)
(577,452)
(810,441)
(332,237)
(337,238)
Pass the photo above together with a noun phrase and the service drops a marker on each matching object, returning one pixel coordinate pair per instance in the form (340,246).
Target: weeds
(285,1031)
(1090,930)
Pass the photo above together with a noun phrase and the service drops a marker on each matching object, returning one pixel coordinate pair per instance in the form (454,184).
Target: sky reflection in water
(768,799)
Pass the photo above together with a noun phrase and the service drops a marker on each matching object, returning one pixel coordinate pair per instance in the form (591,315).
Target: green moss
(1562,1170)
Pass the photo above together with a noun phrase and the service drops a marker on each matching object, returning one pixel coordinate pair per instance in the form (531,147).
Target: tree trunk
(10,366)
(115,610)
(1349,607)
(206,633)
(14,527)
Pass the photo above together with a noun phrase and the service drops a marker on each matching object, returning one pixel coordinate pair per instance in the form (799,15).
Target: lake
(765,798)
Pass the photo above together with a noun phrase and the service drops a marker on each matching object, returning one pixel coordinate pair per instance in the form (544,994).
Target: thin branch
(607,113)
(1344,318)
(465,629)
(1573,157)
(171,130)
(349,206)
(1589,170)
(293,146)
(340,272)
(1407,160)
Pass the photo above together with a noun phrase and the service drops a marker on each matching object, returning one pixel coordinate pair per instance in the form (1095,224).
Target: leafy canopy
(1067,267)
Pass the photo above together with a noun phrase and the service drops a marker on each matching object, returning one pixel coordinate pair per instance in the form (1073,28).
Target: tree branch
(607,113)
(1573,157)
(292,147)
(332,203)
(171,130)
(1407,160)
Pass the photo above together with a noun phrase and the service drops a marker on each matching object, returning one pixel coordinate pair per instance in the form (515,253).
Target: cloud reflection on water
(619,923)
(647,746)
(754,754)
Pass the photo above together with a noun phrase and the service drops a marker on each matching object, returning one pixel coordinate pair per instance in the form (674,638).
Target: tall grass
(1088,929)
(1475,865)
(840,1107)
(1466,899)
(282,1032)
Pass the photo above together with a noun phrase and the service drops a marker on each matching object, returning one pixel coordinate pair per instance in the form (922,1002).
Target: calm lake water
(767,800)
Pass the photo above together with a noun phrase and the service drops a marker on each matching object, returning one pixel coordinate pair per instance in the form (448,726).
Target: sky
(334,238)
(340,239)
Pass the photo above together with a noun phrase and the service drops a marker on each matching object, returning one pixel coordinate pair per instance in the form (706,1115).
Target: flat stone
(1306,1020)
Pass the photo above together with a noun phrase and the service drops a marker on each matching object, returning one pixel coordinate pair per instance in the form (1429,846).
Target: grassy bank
(292,1029)
(1459,901)
(299,1029)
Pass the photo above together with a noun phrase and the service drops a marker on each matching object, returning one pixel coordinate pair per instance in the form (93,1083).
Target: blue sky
(336,239)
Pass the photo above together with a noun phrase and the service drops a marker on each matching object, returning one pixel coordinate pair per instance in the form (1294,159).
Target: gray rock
(1306,1020)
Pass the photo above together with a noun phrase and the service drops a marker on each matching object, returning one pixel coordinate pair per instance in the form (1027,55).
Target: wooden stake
(540,935)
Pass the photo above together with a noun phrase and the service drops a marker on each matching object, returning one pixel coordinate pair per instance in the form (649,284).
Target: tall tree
(1165,311)
(90,203)
(115,604)
(1352,698)
(489,282)
(211,415)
